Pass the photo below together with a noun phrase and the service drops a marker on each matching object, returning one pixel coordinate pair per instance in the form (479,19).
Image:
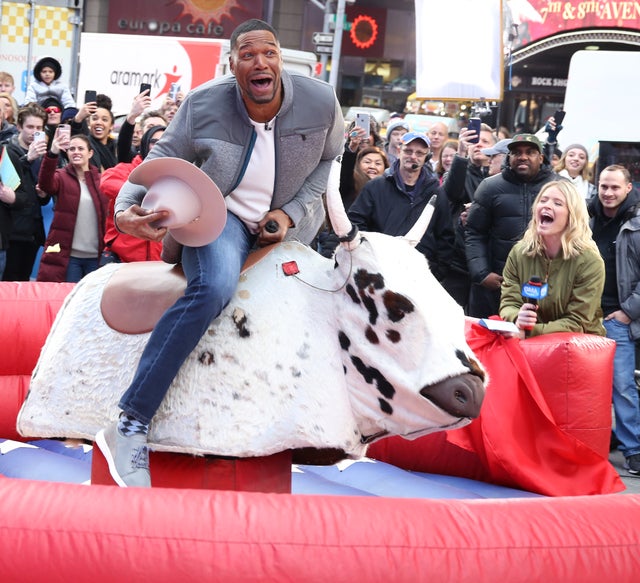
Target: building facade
(378,61)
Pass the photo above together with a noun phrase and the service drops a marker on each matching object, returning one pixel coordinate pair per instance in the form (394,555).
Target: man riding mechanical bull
(399,337)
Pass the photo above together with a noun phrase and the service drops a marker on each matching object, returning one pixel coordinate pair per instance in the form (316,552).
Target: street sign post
(324,49)
(322,38)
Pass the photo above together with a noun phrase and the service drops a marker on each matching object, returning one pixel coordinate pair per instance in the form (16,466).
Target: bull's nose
(459,396)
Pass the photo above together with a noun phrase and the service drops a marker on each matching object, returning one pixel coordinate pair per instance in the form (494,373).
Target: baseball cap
(501,147)
(525,139)
(410,136)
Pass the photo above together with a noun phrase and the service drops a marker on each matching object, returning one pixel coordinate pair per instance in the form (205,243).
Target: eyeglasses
(53,109)
(416,153)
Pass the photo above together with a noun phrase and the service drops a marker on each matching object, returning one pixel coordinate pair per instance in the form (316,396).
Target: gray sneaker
(127,456)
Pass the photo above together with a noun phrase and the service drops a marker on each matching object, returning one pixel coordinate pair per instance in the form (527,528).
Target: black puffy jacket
(498,217)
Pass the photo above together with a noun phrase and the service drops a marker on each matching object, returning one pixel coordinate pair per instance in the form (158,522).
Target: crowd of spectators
(56,225)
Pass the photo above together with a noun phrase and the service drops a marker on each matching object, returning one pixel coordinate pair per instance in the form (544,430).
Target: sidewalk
(631,482)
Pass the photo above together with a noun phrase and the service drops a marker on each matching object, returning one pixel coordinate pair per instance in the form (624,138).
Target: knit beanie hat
(577,147)
(397,123)
(51,102)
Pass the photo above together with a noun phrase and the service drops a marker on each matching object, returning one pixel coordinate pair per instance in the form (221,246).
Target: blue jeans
(3,261)
(78,267)
(212,274)
(626,404)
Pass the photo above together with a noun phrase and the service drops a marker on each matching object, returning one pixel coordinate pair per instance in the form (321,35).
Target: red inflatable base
(60,533)
(174,470)
(27,311)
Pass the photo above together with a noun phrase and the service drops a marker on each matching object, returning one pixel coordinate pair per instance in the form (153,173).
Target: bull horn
(342,226)
(414,236)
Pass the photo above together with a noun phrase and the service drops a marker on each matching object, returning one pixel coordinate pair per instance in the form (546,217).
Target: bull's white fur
(284,386)
(431,334)
(289,384)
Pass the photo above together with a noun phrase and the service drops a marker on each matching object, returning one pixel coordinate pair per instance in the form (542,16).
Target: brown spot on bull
(371,336)
(374,377)
(206,358)
(385,406)
(363,279)
(396,305)
(240,321)
(367,283)
(351,292)
(345,343)
(393,336)
(370,305)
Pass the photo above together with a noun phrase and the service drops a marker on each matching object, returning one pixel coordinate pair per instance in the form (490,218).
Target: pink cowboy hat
(197,209)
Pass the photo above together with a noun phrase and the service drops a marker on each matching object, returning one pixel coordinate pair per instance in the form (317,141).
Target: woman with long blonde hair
(558,248)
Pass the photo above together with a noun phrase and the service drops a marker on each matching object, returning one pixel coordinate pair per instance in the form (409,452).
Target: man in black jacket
(26,150)
(469,168)
(498,217)
(9,200)
(393,203)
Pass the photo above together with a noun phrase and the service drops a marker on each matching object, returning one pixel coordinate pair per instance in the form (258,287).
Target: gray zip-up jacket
(627,255)
(628,270)
(212,129)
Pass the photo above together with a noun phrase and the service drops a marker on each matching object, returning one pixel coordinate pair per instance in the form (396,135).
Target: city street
(632,482)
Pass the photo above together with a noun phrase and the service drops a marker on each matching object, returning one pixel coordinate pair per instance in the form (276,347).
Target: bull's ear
(414,236)
(347,233)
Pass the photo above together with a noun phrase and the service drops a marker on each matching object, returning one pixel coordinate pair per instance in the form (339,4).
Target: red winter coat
(126,247)
(63,184)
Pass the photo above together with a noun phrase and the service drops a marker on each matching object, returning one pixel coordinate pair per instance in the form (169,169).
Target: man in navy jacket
(392,203)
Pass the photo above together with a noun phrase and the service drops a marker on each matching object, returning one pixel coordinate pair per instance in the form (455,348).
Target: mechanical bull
(309,354)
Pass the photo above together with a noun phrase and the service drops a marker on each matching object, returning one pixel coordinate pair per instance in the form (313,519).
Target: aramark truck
(116,65)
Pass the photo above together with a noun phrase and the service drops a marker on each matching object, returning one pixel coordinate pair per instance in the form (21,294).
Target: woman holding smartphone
(76,236)
(102,143)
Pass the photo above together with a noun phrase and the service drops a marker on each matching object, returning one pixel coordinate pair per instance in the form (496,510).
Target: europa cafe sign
(184,18)
(542,18)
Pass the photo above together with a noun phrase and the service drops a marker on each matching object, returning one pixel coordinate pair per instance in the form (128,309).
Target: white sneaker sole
(101,442)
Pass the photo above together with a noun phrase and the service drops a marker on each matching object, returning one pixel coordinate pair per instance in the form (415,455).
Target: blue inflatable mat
(54,461)
(81,452)
(374,478)
(31,462)
(305,481)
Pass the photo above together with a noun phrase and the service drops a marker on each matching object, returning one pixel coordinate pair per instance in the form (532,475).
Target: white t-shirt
(251,199)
